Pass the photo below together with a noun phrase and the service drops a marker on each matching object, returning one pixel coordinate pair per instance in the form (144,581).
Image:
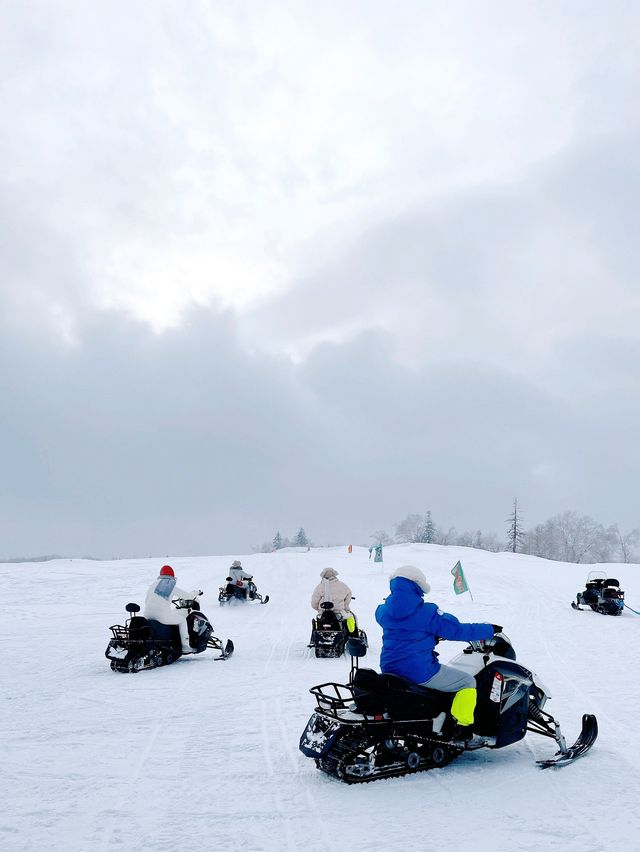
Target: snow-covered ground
(204,754)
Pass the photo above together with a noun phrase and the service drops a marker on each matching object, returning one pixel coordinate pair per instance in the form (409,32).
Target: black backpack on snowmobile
(144,643)
(238,591)
(603,594)
(382,725)
(330,632)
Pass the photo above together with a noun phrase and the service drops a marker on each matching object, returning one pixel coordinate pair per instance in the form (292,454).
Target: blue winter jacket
(409,630)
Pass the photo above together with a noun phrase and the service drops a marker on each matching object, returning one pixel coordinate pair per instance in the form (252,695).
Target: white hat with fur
(410,572)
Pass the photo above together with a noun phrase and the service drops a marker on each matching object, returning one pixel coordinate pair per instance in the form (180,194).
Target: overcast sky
(277,264)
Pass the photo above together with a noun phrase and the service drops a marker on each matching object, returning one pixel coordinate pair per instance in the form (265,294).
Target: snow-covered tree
(430,529)
(301,539)
(277,541)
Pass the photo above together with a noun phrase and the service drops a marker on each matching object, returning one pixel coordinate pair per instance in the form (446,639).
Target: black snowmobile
(603,594)
(238,591)
(144,643)
(384,726)
(330,633)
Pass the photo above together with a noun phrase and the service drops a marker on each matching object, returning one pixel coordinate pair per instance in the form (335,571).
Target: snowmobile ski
(586,739)
(226,650)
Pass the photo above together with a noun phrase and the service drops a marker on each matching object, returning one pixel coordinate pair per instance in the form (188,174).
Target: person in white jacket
(332,590)
(237,575)
(159,607)
(239,579)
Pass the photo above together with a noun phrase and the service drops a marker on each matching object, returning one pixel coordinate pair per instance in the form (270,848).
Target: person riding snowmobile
(159,607)
(238,577)
(332,590)
(411,629)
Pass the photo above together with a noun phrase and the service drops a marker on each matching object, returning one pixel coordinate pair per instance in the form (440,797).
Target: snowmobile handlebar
(185,603)
(498,644)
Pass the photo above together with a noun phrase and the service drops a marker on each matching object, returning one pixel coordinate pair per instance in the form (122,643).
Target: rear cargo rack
(332,697)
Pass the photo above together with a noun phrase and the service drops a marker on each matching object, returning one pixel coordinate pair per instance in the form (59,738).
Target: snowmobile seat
(139,628)
(368,692)
(408,700)
(612,593)
(610,581)
(164,632)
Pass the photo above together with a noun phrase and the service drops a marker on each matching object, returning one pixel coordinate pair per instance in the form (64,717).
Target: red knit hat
(167,571)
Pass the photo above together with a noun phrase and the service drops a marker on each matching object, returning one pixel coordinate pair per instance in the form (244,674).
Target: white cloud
(213,154)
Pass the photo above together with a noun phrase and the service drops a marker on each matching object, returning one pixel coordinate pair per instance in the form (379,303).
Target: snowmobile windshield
(499,645)
(596,575)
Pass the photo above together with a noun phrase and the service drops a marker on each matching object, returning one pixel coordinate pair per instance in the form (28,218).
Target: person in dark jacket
(411,628)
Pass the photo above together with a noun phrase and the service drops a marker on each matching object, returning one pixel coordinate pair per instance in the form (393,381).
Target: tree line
(566,537)
(300,539)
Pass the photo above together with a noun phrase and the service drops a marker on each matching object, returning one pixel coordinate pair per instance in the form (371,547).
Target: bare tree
(515,531)
(381,537)
(447,537)
(579,535)
(410,529)
(464,539)
(491,542)
(536,544)
(626,543)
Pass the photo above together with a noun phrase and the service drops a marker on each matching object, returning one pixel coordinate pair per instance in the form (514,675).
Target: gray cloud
(181,443)
(433,211)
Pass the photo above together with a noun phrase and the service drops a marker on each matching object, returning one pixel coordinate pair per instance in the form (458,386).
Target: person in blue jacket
(412,627)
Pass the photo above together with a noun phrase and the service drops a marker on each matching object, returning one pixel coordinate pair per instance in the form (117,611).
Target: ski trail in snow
(281,654)
(132,778)
(277,797)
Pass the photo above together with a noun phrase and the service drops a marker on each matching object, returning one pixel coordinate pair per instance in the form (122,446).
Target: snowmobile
(603,594)
(329,633)
(144,643)
(242,590)
(385,726)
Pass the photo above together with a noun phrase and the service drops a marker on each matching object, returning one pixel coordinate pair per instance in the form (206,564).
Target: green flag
(459,580)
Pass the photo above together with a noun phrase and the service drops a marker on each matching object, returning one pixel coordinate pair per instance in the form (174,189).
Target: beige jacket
(338,593)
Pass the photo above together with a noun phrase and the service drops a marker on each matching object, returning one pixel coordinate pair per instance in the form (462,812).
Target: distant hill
(46,558)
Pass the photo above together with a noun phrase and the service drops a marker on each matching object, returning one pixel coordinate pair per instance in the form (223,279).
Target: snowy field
(204,754)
